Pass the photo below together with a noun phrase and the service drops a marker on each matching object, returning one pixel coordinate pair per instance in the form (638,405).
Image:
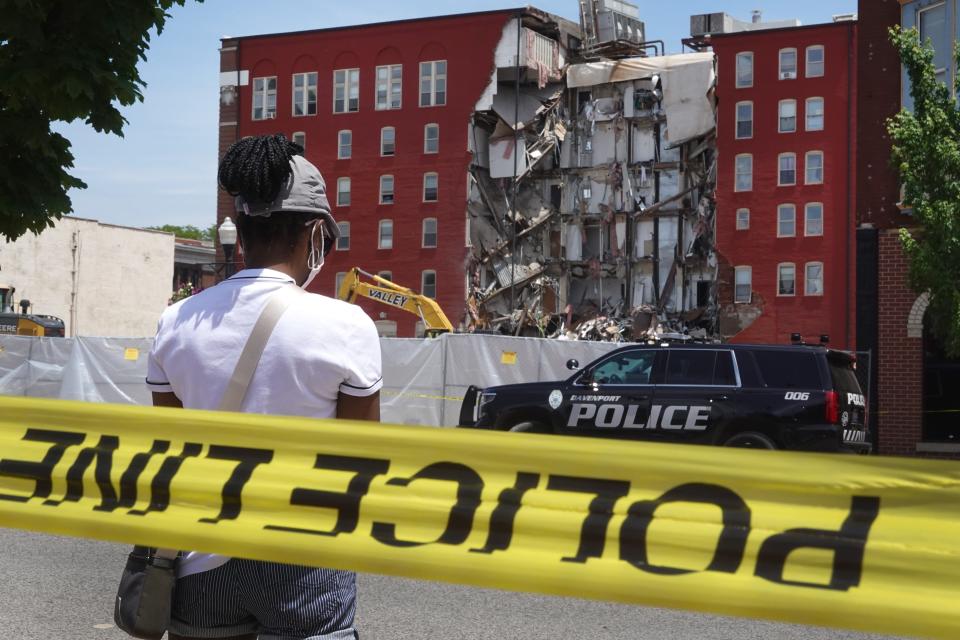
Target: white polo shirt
(321,347)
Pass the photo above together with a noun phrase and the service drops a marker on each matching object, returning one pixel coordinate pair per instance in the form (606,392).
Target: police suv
(760,396)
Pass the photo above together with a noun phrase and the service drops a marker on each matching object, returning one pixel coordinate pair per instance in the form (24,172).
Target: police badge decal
(555,399)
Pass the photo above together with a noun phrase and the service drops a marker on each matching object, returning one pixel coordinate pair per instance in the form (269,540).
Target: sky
(163,170)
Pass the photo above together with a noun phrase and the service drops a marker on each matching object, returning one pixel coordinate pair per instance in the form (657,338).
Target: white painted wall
(103,280)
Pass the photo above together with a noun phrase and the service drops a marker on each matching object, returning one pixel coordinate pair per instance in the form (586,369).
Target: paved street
(63,588)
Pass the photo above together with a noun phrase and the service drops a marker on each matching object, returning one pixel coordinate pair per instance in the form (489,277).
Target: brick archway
(915,319)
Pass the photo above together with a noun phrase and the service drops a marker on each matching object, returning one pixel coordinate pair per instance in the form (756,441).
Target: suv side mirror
(573,364)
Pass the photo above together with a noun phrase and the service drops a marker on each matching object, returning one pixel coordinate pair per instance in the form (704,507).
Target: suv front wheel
(751,440)
(530,426)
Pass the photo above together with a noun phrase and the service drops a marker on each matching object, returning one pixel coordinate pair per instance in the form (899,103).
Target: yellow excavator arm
(393,295)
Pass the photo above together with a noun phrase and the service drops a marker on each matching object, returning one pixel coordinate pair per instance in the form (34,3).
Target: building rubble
(590,205)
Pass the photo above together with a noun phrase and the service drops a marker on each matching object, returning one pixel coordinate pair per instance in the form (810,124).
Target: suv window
(788,369)
(632,367)
(723,373)
(691,366)
(844,377)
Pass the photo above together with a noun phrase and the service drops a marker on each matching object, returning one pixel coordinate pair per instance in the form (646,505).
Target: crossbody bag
(145,595)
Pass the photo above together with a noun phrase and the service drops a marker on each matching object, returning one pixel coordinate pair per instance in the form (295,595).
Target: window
(386,189)
(388,141)
(341,276)
(932,22)
(343,192)
(389,86)
(431,138)
(344,144)
(788,116)
(429,233)
(786,279)
(433,83)
(346,90)
(788,64)
(696,367)
(813,219)
(788,369)
(743,219)
(300,138)
(430,187)
(744,120)
(743,284)
(787,171)
(744,70)
(386,275)
(813,279)
(385,240)
(744,173)
(632,367)
(814,66)
(814,169)
(343,242)
(786,221)
(814,114)
(305,94)
(265,98)
(428,284)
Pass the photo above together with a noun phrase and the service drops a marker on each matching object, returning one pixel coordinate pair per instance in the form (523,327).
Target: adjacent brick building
(785,199)
(383,111)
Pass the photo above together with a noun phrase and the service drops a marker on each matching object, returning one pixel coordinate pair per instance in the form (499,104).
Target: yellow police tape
(844,541)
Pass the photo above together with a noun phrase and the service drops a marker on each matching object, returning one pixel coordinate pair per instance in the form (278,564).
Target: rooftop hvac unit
(613,26)
(619,6)
(707,23)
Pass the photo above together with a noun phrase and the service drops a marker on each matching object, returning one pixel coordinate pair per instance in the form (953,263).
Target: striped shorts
(277,601)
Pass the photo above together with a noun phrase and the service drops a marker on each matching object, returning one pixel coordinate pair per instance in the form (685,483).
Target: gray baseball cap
(304,192)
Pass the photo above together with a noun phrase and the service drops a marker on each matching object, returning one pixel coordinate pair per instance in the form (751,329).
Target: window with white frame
(932,24)
(813,219)
(788,64)
(431,187)
(788,116)
(388,141)
(743,284)
(814,168)
(743,219)
(743,178)
(346,90)
(385,236)
(344,144)
(343,242)
(386,189)
(787,169)
(744,69)
(786,221)
(343,192)
(265,98)
(305,94)
(389,86)
(428,284)
(341,276)
(813,279)
(744,120)
(433,83)
(786,279)
(431,138)
(300,138)
(429,233)
(814,114)
(815,61)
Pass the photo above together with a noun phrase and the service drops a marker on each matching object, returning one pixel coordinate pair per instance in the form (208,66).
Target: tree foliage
(188,231)
(926,152)
(62,61)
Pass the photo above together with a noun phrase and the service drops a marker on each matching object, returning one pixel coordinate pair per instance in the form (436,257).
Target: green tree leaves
(188,231)
(63,61)
(926,152)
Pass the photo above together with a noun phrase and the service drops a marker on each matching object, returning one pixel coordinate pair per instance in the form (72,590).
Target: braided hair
(256,169)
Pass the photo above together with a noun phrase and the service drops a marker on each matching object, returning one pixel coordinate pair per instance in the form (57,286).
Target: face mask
(316,257)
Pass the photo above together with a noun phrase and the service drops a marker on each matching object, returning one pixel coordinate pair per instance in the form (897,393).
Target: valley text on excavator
(386,292)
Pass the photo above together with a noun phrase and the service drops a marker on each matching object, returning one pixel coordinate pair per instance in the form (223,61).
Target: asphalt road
(63,589)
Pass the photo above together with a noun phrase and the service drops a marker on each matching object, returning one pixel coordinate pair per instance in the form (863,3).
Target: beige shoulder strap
(250,356)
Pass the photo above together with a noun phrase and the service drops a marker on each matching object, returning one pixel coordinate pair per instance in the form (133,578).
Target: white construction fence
(424,380)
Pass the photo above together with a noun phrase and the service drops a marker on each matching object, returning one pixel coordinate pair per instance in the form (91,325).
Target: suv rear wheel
(530,426)
(751,440)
